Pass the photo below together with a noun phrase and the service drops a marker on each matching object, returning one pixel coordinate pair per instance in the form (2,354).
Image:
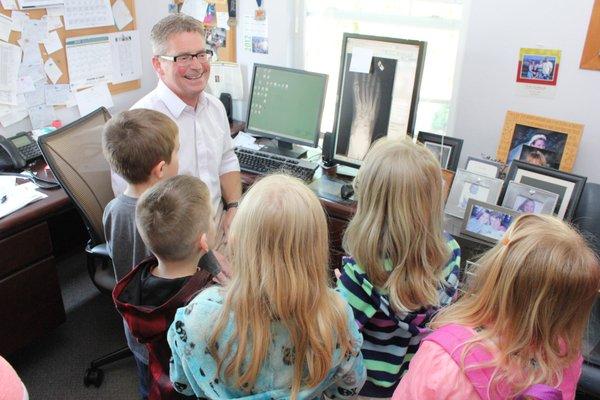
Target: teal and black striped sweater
(390,339)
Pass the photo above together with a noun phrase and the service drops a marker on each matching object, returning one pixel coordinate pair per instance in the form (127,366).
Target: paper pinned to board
(10,58)
(195,8)
(18,19)
(361,60)
(121,14)
(226,77)
(25,84)
(10,115)
(5,27)
(126,56)
(87,14)
(52,70)
(222,18)
(93,98)
(52,22)
(41,115)
(59,95)
(9,4)
(52,43)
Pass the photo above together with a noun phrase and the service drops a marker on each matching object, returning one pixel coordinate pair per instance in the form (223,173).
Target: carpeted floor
(53,368)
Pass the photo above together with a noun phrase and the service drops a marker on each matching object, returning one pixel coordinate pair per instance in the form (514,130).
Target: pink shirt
(433,375)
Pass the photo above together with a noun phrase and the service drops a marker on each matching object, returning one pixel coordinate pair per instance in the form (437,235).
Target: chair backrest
(587,219)
(74,153)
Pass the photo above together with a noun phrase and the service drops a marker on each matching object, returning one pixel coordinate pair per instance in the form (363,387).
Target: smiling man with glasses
(182,64)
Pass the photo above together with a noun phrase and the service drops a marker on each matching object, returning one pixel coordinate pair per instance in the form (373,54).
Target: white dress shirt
(205,144)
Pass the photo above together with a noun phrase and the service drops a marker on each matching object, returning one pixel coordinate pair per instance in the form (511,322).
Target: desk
(29,290)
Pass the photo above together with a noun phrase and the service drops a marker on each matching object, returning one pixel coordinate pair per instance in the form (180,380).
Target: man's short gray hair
(168,26)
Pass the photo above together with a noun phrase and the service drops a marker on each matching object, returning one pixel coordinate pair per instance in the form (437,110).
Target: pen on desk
(3,200)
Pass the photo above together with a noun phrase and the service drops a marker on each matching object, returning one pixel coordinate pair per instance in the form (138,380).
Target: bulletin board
(228,52)
(60,56)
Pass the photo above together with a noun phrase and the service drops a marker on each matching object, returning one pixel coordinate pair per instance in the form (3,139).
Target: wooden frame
(590,58)
(518,128)
(568,186)
(485,230)
(447,177)
(382,102)
(440,143)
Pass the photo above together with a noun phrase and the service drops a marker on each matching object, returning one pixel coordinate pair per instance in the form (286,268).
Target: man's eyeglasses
(186,59)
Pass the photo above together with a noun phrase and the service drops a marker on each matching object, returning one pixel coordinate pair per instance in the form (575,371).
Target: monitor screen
(286,104)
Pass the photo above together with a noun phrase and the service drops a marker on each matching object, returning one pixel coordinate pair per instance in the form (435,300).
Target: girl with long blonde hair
(402,266)
(276,330)
(517,331)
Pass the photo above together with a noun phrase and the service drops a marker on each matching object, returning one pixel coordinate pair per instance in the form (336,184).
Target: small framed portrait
(445,148)
(567,186)
(528,199)
(448,177)
(551,143)
(538,66)
(487,222)
(483,167)
(467,185)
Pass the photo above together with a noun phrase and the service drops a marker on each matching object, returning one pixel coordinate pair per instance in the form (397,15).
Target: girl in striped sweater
(402,265)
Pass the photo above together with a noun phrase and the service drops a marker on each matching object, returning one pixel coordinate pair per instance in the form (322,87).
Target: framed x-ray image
(378,93)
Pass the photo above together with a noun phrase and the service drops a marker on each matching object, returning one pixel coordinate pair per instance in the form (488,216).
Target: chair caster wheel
(93,376)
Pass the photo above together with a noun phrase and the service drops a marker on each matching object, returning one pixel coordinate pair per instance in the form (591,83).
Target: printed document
(87,14)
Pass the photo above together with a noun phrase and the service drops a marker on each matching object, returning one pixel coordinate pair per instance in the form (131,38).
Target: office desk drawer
(24,248)
(32,305)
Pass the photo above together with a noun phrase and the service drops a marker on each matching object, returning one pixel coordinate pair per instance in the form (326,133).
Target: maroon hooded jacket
(149,324)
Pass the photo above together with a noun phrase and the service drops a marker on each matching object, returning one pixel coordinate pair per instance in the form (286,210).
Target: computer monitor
(286,104)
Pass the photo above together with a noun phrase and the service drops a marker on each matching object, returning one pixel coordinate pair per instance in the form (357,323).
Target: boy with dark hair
(174,220)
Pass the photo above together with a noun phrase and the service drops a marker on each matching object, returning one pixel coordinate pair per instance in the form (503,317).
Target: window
(436,22)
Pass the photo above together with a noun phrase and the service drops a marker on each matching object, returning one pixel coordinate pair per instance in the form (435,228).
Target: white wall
(146,17)
(282,27)
(486,88)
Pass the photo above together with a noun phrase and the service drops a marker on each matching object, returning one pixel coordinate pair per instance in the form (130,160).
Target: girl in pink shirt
(517,331)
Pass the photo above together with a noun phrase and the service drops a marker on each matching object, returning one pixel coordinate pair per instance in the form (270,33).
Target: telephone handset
(18,151)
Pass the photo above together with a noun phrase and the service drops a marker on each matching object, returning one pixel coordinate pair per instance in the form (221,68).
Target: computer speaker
(226,100)
(328,149)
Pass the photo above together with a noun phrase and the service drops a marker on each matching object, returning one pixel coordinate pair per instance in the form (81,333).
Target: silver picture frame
(487,222)
(468,185)
(528,199)
(483,167)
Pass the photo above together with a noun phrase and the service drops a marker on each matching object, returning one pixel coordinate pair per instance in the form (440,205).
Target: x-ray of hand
(366,90)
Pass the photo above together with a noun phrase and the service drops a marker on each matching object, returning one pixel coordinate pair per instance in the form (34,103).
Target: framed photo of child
(467,185)
(541,141)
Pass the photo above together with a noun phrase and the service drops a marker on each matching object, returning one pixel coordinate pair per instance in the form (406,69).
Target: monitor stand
(286,149)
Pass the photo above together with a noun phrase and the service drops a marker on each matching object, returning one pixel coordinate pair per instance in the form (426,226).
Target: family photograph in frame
(538,66)
(466,186)
(380,100)
(484,167)
(528,199)
(567,186)
(486,221)
(446,149)
(541,141)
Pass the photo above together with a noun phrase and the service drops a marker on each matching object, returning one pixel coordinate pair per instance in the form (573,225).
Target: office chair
(74,153)
(587,219)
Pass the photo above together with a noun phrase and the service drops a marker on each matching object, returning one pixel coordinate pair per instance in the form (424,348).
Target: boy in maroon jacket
(174,221)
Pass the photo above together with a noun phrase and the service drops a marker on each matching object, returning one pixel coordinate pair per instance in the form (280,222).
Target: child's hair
(172,214)
(399,218)
(279,254)
(532,294)
(135,141)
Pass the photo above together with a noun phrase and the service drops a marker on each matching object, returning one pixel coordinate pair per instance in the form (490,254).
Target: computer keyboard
(261,163)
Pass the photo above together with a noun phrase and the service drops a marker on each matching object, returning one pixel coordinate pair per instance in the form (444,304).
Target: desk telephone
(18,151)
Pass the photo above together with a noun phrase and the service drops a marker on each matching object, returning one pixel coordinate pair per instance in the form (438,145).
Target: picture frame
(568,186)
(483,167)
(487,222)
(467,185)
(447,149)
(528,199)
(378,93)
(560,137)
(538,66)
(447,177)
(589,56)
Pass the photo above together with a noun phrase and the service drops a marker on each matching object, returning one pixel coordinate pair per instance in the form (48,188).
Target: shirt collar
(174,103)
